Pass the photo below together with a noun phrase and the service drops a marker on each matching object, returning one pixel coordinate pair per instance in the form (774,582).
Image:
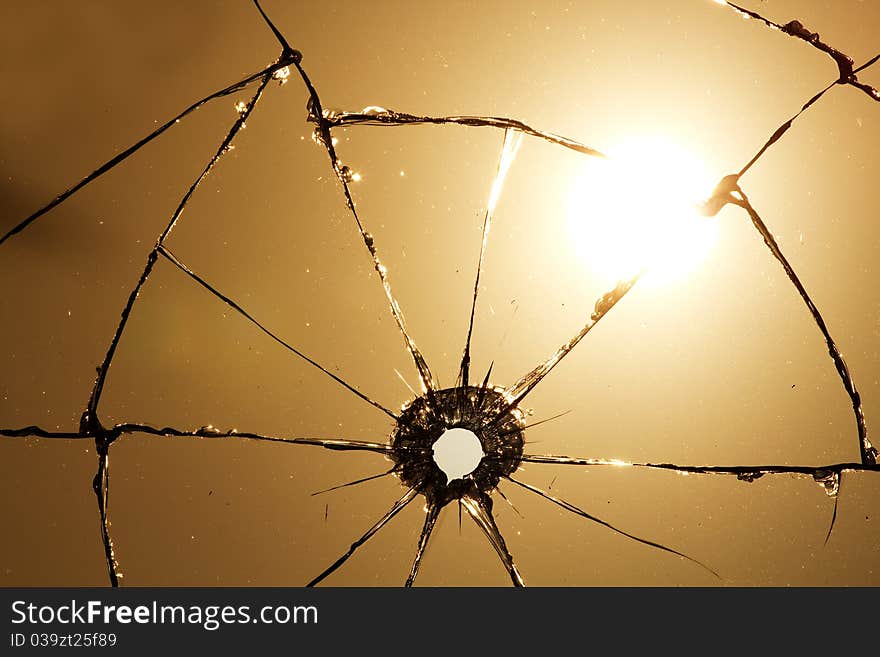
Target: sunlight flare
(638,210)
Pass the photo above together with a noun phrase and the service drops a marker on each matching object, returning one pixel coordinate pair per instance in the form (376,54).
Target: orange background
(725,367)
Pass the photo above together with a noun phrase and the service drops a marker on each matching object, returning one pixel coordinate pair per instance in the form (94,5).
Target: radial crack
(509,503)
(356,481)
(508,153)
(527,383)
(480,509)
(580,512)
(317,114)
(408,497)
(484,387)
(241,311)
(537,423)
(430,520)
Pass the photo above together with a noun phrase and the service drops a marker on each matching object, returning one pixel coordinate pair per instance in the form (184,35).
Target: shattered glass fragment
(375,110)
(829,480)
(283,74)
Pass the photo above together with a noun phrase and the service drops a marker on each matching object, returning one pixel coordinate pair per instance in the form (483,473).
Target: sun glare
(637,211)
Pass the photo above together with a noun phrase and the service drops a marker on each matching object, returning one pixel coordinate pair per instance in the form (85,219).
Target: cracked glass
(384,222)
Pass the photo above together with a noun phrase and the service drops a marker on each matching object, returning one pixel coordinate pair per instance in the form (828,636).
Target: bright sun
(637,211)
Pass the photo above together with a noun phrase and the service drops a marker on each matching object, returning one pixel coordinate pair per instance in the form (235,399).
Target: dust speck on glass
(280,308)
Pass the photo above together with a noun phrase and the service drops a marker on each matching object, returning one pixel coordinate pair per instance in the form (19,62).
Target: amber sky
(724,367)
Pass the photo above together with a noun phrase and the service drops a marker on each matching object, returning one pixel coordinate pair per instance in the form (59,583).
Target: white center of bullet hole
(457,453)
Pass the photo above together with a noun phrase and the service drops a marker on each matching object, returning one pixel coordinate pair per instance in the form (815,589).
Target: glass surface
(720,366)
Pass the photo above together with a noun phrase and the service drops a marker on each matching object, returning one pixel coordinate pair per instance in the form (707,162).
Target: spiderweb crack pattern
(477,505)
